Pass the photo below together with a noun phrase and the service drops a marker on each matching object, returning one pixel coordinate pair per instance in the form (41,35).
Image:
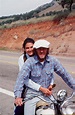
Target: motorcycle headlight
(61,95)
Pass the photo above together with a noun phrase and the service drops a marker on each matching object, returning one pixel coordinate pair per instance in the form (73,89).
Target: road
(9,72)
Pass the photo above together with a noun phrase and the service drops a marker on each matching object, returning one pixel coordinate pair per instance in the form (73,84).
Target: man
(40,69)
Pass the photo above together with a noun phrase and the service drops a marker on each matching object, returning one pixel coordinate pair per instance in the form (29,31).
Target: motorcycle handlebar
(39,96)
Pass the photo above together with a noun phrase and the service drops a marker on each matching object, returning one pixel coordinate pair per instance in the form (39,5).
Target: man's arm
(61,71)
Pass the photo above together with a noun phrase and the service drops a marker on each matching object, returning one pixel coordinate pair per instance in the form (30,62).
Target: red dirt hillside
(61,34)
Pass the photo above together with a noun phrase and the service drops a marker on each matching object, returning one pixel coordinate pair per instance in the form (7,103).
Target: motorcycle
(61,105)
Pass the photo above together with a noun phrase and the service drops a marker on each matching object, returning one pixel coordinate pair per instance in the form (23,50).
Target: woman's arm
(31,84)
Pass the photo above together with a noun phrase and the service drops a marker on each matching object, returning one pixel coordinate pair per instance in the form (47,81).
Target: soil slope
(61,35)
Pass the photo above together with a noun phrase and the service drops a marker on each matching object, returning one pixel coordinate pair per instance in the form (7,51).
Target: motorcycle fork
(57,109)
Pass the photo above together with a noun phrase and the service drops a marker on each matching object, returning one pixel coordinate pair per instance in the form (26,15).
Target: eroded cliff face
(61,35)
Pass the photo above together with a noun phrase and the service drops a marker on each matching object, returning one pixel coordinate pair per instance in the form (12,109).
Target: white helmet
(41,43)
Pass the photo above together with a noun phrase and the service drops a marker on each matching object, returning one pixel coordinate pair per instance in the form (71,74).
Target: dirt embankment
(61,35)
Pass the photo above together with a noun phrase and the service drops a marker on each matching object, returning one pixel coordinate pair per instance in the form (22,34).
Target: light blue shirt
(43,75)
(30,83)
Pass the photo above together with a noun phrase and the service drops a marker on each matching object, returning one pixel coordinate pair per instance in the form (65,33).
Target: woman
(28,52)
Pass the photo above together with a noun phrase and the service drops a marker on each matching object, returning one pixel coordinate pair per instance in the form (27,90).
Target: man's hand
(46,91)
(50,87)
(18,101)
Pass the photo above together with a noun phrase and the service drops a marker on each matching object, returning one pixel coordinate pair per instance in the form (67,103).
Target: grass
(36,20)
(4,48)
(26,22)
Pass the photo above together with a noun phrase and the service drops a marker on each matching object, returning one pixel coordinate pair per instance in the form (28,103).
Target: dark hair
(27,40)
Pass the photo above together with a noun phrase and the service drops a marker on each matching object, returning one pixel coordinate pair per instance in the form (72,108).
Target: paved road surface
(8,75)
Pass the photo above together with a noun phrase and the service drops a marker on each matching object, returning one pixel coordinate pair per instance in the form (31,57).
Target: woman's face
(29,48)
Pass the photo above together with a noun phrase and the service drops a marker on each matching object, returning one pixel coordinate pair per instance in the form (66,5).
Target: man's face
(42,52)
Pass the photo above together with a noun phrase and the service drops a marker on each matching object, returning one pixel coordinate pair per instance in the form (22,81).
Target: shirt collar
(36,59)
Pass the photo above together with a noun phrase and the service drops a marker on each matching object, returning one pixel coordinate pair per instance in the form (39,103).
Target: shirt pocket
(49,75)
(35,76)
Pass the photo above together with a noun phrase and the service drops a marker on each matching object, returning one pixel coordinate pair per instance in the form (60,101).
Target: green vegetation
(68,3)
(33,16)
(4,48)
